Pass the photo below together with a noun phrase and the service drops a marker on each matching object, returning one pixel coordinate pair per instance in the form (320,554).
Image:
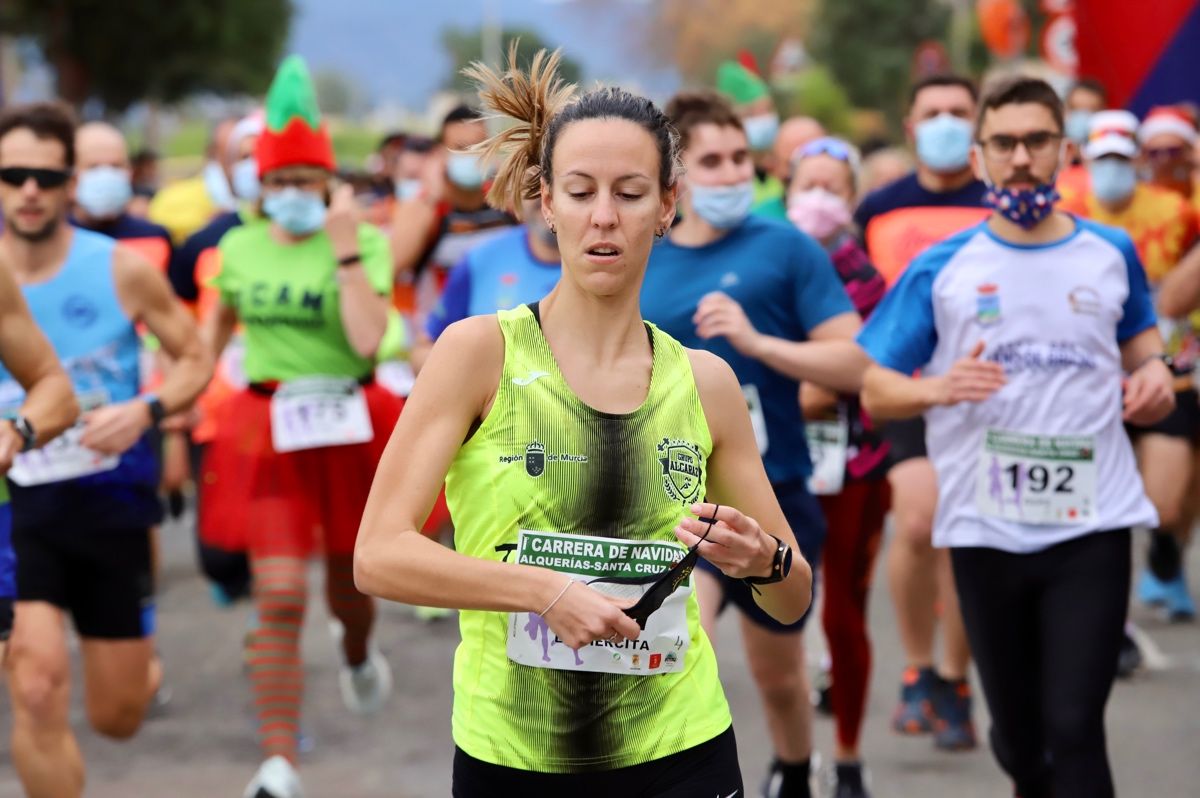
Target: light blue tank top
(79,311)
(98,345)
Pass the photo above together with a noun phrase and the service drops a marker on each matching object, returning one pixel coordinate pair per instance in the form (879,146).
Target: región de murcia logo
(682,469)
(535,458)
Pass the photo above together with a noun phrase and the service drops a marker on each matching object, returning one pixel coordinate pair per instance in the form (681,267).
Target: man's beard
(36,236)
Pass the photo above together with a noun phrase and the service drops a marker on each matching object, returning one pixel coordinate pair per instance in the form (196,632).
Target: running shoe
(1151,590)
(822,692)
(847,781)
(773,785)
(1178,601)
(276,778)
(366,687)
(1130,657)
(914,715)
(160,702)
(953,729)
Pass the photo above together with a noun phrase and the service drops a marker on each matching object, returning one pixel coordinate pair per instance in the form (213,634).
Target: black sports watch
(781,565)
(26,431)
(157,411)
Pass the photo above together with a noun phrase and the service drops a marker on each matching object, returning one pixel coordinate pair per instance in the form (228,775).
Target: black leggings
(1045,630)
(710,768)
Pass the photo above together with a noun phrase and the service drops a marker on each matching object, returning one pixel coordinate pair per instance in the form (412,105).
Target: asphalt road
(203,745)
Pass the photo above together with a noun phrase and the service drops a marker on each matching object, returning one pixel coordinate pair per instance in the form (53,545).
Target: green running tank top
(567,474)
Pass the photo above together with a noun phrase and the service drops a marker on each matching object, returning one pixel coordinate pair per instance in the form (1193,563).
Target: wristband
(349,260)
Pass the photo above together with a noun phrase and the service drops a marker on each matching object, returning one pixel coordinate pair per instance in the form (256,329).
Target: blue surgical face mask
(408,189)
(103,191)
(724,207)
(761,131)
(298,211)
(944,143)
(1113,179)
(245,180)
(218,187)
(464,170)
(1076,126)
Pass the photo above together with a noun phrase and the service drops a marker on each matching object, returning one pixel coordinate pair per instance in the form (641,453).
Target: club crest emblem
(682,469)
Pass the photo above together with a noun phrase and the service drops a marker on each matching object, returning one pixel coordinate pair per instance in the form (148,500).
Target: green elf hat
(739,84)
(294,134)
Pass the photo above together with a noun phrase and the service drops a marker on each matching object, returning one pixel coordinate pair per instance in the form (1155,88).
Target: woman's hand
(737,544)
(583,615)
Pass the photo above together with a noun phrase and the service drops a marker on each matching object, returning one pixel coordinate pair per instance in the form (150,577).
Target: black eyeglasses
(17,176)
(1038,144)
(661,585)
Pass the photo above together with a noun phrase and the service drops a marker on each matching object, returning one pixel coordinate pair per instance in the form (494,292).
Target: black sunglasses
(17,176)
(661,585)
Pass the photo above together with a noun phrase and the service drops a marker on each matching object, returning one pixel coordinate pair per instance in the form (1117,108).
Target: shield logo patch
(535,459)
(682,469)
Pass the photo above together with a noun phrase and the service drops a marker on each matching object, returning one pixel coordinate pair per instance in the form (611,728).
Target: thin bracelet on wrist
(561,593)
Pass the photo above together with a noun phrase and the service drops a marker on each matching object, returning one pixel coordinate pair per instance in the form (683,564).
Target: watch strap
(25,429)
(157,411)
(780,565)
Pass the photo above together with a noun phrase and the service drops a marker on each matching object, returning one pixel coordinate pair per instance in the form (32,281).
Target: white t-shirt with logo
(1046,458)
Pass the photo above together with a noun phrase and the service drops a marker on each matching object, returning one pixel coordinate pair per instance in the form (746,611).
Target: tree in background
(121,54)
(816,93)
(869,46)
(465,46)
(696,35)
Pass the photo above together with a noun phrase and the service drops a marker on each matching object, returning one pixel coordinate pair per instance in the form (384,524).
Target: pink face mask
(818,212)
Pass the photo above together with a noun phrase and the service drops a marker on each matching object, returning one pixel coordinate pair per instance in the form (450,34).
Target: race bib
(397,376)
(1037,479)
(64,457)
(313,412)
(662,645)
(757,419)
(828,442)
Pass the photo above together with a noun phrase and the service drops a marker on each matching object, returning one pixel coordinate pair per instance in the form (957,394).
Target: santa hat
(294,134)
(1111,133)
(1168,119)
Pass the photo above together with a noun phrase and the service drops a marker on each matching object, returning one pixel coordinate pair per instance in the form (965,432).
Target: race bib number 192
(1037,479)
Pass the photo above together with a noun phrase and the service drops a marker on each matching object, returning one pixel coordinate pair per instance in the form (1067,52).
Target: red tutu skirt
(293,504)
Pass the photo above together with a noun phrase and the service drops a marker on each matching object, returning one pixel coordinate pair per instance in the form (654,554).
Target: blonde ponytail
(530,100)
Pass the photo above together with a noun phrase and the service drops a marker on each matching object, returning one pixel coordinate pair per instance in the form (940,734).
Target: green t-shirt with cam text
(287,299)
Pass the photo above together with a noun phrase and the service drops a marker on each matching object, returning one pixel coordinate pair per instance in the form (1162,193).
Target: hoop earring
(552,230)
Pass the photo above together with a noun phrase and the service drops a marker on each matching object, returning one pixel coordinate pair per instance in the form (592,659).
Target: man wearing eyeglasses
(1036,337)
(82,509)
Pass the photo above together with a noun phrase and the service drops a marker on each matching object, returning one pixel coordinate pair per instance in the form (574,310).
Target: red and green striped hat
(294,134)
